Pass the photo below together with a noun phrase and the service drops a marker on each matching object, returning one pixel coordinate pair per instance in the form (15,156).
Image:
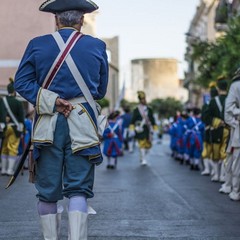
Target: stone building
(20,21)
(202,28)
(113,58)
(158,77)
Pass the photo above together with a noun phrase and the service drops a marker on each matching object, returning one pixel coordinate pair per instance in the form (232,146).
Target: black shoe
(187,162)
(191,167)
(196,168)
(113,167)
(108,166)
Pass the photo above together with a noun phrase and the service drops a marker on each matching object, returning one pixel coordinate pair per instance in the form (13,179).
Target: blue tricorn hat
(55,6)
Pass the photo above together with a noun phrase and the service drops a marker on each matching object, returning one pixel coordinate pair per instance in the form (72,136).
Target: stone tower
(158,77)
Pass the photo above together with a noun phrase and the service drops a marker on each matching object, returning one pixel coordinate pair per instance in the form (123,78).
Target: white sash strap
(64,51)
(77,75)
(220,108)
(194,121)
(19,126)
(145,118)
(112,129)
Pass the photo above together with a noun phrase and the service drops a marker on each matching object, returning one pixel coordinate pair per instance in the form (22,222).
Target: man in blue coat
(65,153)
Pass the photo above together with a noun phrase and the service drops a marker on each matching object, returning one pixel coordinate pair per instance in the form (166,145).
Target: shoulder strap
(64,51)
(194,120)
(220,108)
(77,76)
(114,127)
(10,111)
(144,116)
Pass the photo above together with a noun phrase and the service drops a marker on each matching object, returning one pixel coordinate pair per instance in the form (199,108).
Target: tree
(219,58)
(104,102)
(125,103)
(167,107)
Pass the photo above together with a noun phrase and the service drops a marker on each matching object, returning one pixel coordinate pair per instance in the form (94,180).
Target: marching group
(124,129)
(62,74)
(119,136)
(15,130)
(208,139)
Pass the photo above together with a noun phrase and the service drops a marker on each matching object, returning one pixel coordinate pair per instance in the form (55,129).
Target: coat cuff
(46,101)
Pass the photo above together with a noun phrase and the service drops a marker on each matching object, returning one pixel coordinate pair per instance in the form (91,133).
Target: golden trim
(82,148)
(94,156)
(90,118)
(38,120)
(42,141)
(37,102)
(68,28)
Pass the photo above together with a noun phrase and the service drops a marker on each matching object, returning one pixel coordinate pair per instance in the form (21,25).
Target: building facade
(21,21)
(202,28)
(113,58)
(158,77)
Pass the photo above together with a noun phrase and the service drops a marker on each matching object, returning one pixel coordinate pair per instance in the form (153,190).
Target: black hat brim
(55,6)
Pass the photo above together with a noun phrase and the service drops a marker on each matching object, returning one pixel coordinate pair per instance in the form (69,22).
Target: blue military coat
(89,55)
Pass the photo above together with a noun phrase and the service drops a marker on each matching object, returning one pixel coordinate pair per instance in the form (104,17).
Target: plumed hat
(141,95)
(10,87)
(222,83)
(55,6)
(213,90)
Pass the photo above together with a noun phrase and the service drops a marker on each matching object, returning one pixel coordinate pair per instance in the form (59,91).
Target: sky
(147,29)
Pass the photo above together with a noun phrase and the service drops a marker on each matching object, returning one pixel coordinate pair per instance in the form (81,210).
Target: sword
(20,165)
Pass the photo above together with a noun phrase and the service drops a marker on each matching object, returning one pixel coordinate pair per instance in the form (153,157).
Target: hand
(63,106)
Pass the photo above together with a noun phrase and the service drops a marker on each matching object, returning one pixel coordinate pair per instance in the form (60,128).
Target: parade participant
(173,132)
(232,119)
(143,123)
(127,137)
(186,136)
(113,140)
(2,123)
(160,129)
(181,129)
(12,110)
(219,132)
(207,146)
(68,152)
(195,127)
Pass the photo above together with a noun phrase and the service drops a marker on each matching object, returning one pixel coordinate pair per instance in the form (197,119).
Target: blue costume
(173,138)
(127,137)
(181,129)
(195,134)
(113,139)
(26,136)
(65,133)
(89,55)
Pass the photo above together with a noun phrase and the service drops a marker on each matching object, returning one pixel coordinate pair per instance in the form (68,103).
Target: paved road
(162,201)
